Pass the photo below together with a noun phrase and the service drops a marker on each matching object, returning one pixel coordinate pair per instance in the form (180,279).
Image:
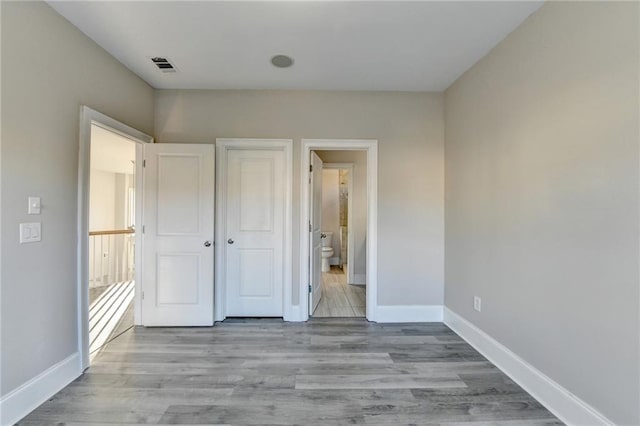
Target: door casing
(89,117)
(223,146)
(370,146)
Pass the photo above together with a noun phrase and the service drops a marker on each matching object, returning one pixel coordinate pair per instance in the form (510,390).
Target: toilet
(327,250)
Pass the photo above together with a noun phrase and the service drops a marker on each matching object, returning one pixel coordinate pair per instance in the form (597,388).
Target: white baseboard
(26,398)
(295,314)
(562,403)
(409,313)
(359,279)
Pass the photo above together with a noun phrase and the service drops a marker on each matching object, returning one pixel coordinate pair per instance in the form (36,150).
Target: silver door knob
(207,243)
(230,241)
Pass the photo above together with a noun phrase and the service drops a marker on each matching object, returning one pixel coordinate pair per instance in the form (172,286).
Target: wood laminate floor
(268,372)
(340,299)
(110,313)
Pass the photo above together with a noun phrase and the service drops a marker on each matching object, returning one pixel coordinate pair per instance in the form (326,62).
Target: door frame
(223,146)
(89,117)
(370,146)
(350,236)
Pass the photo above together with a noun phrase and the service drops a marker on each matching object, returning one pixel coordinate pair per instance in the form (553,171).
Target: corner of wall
(564,404)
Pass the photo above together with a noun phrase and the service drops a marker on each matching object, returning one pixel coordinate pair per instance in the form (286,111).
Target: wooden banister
(112,232)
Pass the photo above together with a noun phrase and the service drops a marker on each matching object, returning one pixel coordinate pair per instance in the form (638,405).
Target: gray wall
(49,69)
(359,201)
(542,199)
(409,127)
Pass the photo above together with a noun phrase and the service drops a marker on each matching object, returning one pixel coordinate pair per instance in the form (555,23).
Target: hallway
(110,313)
(340,299)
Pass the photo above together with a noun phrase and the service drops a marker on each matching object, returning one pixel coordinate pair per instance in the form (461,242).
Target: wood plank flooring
(340,299)
(106,314)
(268,372)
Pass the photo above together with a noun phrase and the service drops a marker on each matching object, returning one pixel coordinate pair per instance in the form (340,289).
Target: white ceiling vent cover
(163,64)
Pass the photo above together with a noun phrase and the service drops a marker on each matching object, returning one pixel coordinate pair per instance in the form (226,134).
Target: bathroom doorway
(338,211)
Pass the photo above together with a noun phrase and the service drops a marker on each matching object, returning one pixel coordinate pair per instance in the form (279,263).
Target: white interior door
(315,217)
(178,253)
(254,226)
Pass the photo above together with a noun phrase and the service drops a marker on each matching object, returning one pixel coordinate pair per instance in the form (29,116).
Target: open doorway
(310,233)
(339,210)
(112,228)
(109,245)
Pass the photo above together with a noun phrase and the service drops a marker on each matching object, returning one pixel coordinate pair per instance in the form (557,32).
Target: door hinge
(310,289)
(143,229)
(309,226)
(310,168)
(143,295)
(144,163)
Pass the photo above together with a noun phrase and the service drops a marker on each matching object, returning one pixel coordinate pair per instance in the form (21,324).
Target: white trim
(350,234)
(223,145)
(562,403)
(88,117)
(410,313)
(296,314)
(359,279)
(1,364)
(638,229)
(31,394)
(370,146)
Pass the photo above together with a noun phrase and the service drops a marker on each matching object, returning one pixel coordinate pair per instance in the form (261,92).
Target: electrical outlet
(477,303)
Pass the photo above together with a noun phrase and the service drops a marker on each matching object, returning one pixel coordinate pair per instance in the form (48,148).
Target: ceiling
(376,45)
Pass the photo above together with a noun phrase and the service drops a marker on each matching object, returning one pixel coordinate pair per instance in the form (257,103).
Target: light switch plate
(34,205)
(30,232)
(477,303)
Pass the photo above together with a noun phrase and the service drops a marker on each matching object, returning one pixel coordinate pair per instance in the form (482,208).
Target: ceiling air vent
(163,64)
